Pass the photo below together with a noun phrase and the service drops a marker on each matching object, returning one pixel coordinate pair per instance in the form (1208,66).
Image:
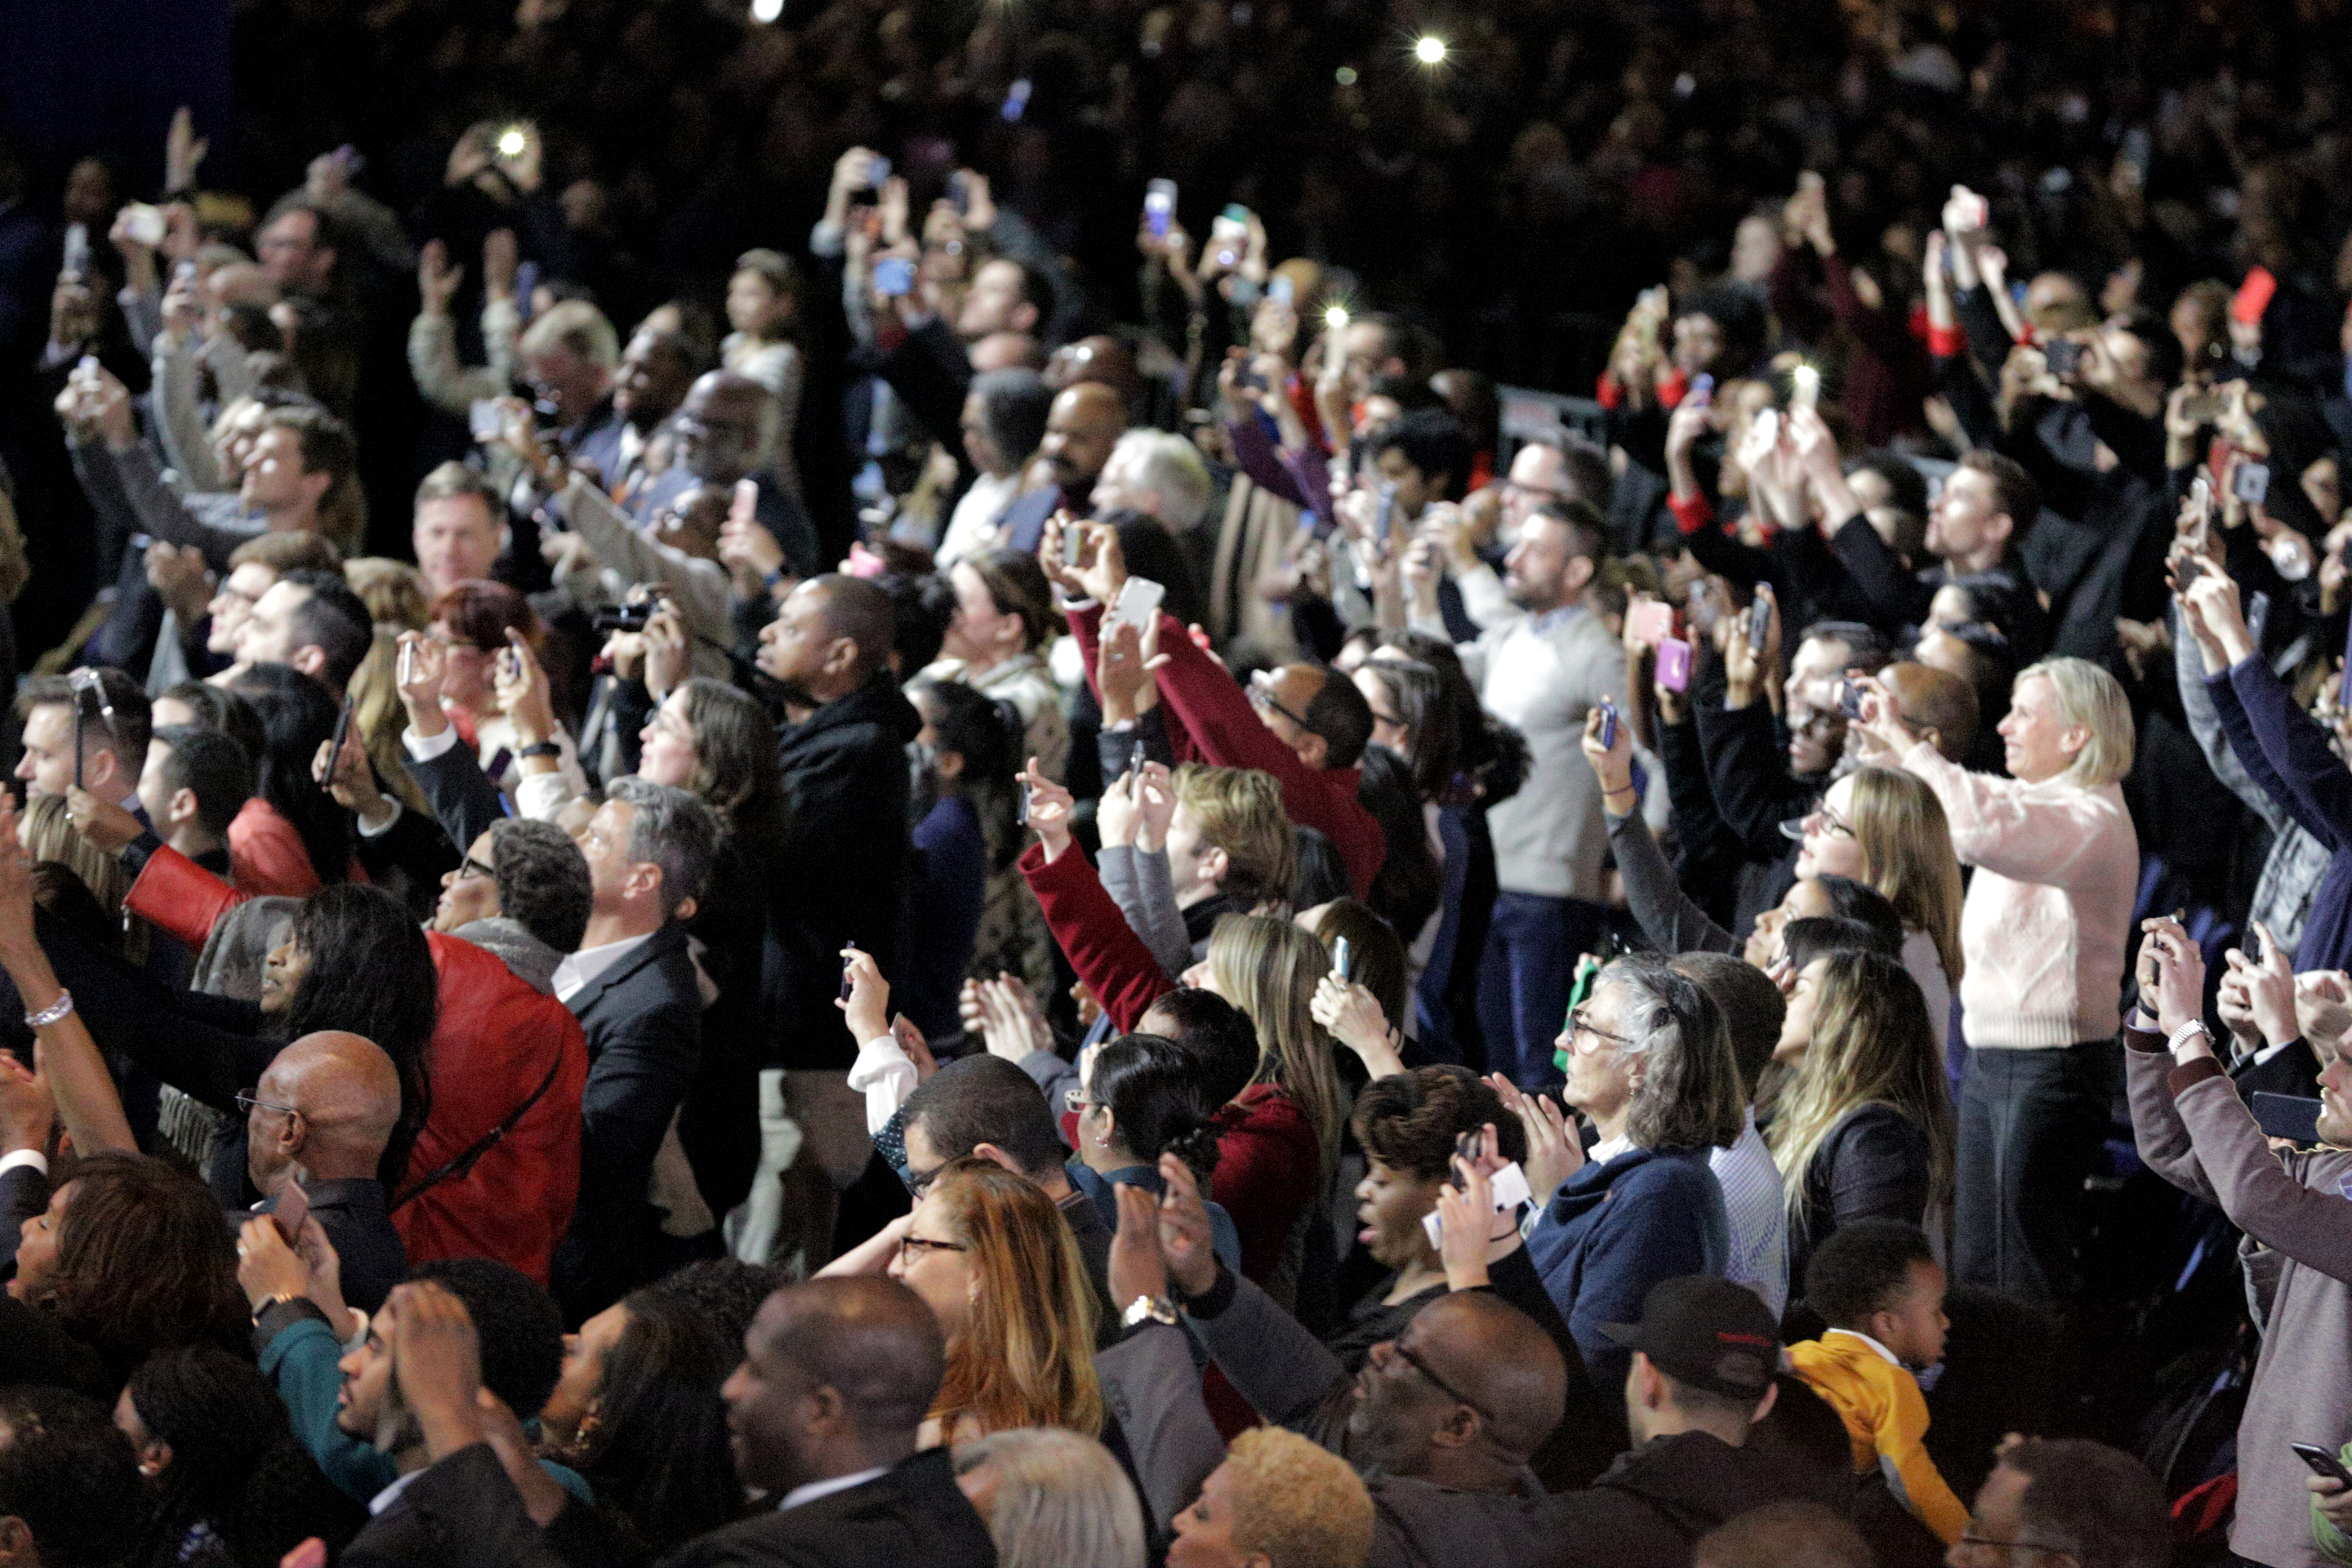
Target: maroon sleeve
(1108,954)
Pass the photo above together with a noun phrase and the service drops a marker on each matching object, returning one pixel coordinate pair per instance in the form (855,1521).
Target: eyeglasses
(912,1248)
(1412,1359)
(1261,695)
(1076,1100)
(1580,1026)
(248,1104)
(917,1183)
(1834,825)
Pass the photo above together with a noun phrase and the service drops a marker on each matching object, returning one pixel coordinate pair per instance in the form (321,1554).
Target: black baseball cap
(1707,1333)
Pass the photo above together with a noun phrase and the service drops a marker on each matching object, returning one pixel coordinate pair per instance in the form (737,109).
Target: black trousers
(2030,1126)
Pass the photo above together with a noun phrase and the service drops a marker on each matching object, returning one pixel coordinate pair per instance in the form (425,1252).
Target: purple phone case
(1673,663)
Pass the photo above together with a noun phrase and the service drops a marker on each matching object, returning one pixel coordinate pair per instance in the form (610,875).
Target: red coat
(494,1042)
(1210,719)
(1120,972)
(1268,1163)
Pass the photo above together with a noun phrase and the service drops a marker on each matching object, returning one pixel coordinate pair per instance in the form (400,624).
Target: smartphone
(1159,207)
(407,669)
(2288,1116)
(1229,232)
(745,506)
(1509,1188)
(77,255)
(894,276)
(1384,521)
(1016,102)
(1760,622)
(1804,388)
(2191,568)
(1136,759)
(1849,699)
(1074,538)
(1608,724)
(1653,621)
(292,1207)
(2258,615)
(483,418)
(864,562)
(2254,944)
(1281,289)
(2201,495)
(2065,358)
(1673,663)
(1139,603)
(959,192)
(342,730)
(1702,392)
(144,223)
(2252,483)
(2322,1462)
(1343,959)
(845,986)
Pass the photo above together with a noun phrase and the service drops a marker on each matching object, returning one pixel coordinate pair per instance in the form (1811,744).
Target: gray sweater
(2194,1132)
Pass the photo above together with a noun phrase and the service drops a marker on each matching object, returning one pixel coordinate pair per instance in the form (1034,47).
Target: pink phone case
(1653,621)
(1673,663)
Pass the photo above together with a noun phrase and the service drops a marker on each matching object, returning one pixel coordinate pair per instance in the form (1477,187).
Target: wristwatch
(1152,1309)
(540,749)
(2180,1036)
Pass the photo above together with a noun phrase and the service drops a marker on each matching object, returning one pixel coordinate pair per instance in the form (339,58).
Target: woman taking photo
(2043,931)
(1143,1097)
(1886,830)
(1003,620)
(1864,1128)
(995,1262)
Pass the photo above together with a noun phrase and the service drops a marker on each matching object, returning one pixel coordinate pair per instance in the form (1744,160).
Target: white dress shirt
(815,1489)
(573,975)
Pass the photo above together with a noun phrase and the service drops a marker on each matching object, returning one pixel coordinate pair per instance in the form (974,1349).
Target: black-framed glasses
(249,1104)
(917,1183)
(1412,1359)
(469,867)
(912,1248)
(1261,695)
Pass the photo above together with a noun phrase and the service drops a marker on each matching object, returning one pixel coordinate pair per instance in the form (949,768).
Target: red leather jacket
(494,1044)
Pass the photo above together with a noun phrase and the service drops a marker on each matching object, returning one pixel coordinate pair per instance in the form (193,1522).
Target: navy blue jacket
(1612,1231)
(2285,750)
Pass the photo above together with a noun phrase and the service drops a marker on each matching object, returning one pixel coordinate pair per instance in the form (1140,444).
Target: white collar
(391,1494)
(1608,1149)
(815,1489)
(578,970)
(1857,1334)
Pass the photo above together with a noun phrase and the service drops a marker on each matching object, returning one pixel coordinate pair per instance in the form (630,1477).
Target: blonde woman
(2043,931)
(1278,1140)
(1865,1130)
(994,1261)
(1886,830)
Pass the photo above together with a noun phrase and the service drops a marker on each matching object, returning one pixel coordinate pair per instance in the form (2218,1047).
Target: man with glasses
(730,427)
(321,1114)
(2066,1503)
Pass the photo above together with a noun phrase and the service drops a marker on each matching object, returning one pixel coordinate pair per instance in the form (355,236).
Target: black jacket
(914,1513)
(1876,1163)
(643,1020)
(465,1513)
(843,879)
(1655,1502)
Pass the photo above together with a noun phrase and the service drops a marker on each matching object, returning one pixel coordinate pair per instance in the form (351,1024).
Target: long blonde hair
(1028,1358)
(1871,1045)
(1269,969)
(1906,854)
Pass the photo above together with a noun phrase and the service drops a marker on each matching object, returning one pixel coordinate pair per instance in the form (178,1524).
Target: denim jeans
(1523,981)
(2030,1125)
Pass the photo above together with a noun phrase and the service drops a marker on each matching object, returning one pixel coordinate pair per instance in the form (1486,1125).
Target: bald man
(730,427)
(837,1376)
(1084,424)
(321,1116)
(843,881)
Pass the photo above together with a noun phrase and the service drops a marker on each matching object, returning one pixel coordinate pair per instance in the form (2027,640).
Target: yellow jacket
(1887,1416)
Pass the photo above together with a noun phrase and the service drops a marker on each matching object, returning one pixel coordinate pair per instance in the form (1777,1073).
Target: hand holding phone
(2323,1463)
(1673,663)
(292,1207)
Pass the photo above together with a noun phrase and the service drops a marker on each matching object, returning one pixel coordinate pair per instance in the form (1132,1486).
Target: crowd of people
(1012,867)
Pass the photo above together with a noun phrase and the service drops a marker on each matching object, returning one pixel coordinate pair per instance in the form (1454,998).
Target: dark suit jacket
(352,1214)
(913,1514)
(463,797)
(23,1193)
(643,1020)
(465,1513)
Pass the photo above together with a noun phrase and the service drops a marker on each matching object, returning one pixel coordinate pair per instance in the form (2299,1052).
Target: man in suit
(837,1378)
(321,1115)
(632,986)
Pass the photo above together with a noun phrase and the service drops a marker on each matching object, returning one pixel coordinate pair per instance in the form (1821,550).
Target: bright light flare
(1335,318)
(1430,49)
(511,141)
(767,10)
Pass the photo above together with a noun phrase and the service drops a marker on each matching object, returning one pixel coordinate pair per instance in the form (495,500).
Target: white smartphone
(1509,1188)
(1139,603)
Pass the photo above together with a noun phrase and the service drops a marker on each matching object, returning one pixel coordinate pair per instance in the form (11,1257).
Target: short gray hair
(1173,467)
(1060,1499)
(1691,1097)
(673,831)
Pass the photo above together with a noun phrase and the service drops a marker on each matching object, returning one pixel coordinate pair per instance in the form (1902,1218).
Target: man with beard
(1541,670)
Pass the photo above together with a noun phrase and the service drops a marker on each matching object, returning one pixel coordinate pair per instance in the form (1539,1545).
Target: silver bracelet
(2180,1035)
(52,1012)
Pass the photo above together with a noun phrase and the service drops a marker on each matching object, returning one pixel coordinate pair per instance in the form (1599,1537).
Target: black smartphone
(342,729)
(1850,698)
(2065,356)
(1135,759)
(1760,622)
(844,977)
(2322,1462)
(2258,615)
(2288,1116)
(2254,945)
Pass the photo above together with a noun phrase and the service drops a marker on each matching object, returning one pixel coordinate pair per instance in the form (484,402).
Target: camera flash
(511,141)
(1335,317)
(1430,50)
(767,10)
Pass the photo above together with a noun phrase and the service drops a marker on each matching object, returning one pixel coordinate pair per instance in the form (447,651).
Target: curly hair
(1296,1501)
(543,880)
(1412,1122)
